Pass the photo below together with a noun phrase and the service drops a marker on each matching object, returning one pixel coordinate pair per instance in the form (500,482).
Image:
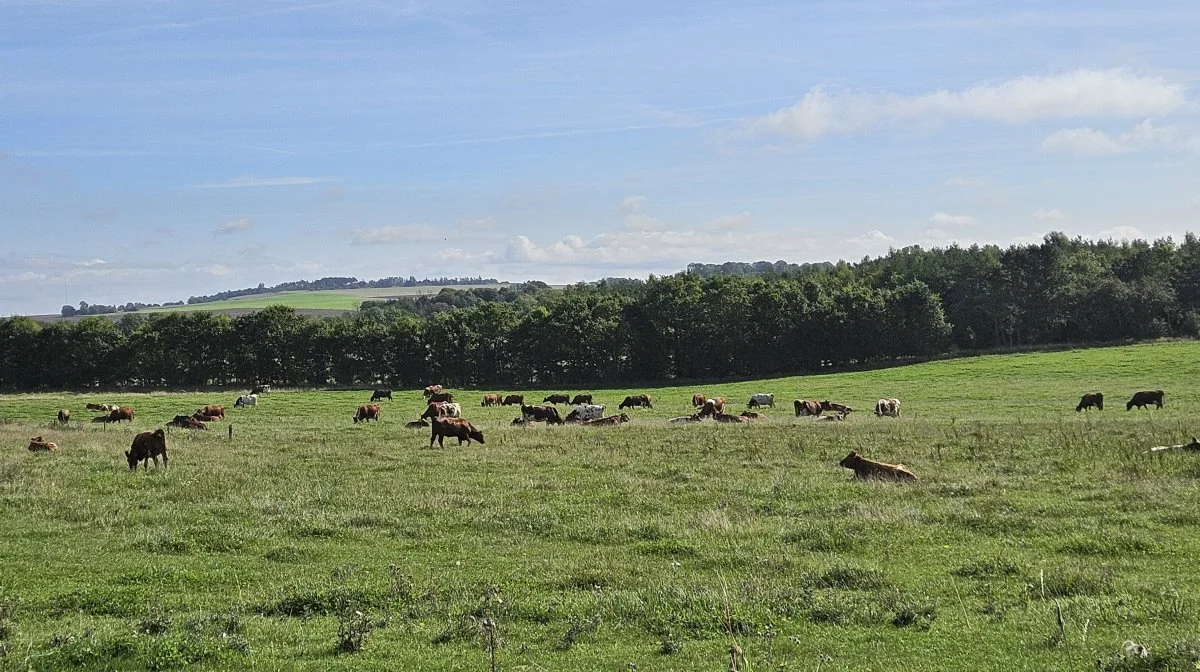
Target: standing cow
(581,399)
(261,389)
(491,400)
(636,401)
(64,416)
(455,428)
(246,400)
(1089,400)
(761,399)
(442,409)
(807,407)
(381,394)
(887,407)
(367,412)
(712,407)
(431,390)
(513,400)
(556,399)
(1145,398)
(147,446)
(584,412)
(438,397)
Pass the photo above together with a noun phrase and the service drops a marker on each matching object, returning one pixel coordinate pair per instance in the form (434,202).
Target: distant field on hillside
(332,299)
(649,546)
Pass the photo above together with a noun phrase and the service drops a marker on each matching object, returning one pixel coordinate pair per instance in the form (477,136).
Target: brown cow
(865,468)
(753,415)
(431,390)
(440,397)
(491,400)
(64,416)
(547,414)
(636,401)
(1089,400)
(39,445)
(805,407)
(712,407)
(122,413)
(513,400)
(457,428)
(581,399)
(416,424)
(836,408)
(725,417)
(186,422)
(212,412)
(698,400)
(1145,398)
(367,412)
(442,409)
(97,407)
(556,399)
(610,420)
(147,446)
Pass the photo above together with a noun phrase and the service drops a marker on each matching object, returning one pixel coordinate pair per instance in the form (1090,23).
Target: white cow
(762,399)
(888,407)
(586,412)
(246,400)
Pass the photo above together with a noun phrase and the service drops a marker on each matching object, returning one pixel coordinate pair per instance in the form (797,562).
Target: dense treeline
(910,303)
(754,268)
(338,283)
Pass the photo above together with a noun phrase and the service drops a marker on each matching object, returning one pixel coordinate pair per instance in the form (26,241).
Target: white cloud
(1082,141)
(252,181)
(236,224)
(630,211)
(947,219)
(1080,94)
(1122,233)
(631,205)
(649,248)
(456,254)
(390,235)
(1093,142)
(1050,215)
(91,262)
(217,270)
(872,237)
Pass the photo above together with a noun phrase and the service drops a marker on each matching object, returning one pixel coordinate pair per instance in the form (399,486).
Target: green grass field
(648,546)
(333,299)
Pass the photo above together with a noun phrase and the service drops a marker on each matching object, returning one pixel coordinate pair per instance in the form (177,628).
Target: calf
(1145,398)
(491,400)
(887,407)
(64,416)
(147,446)
(367,412)
(865,468)
(610,420)
(381,394)
(1092,399)
(547,414)
(581,399)
(513,400)
(636,401)
(39,445)
(556,399)
(456,428)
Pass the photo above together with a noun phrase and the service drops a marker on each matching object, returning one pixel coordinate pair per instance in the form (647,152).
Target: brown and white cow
(698,400)
(491,400)
(840,409)
(610,420)
(367,412)
(455,428)
(122,413)
(431,390)
(64,416)
(442,409)
(806,407)
(887,407)
(39,445)
(865,468)
(712,407)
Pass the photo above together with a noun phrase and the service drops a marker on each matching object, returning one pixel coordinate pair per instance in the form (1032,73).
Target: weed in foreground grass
(1180,656)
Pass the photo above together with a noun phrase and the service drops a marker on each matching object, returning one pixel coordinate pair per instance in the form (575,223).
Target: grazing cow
(725,417)
(685,419)
(381,394)
(456,428)
(513,400)
(438,397)
(712,407)
(211,412)
(1145,398)
(261,389)
(64,416)
(122,413)
(698,400)
(866,469)
(761,399)
(806,407)
(636,401)
(836,408)
(547,414)
(39,445)
(367,412)
(581,399)
(442,409)
(491,400)
(585,412)
(557,399)
(610,420)
(416,424)
(753,415)
(147,446)
(431,390)
(888,407)
(1089,400)
(246,400)
(187,422)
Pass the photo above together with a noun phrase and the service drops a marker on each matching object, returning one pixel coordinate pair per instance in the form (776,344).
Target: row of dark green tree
(909,303)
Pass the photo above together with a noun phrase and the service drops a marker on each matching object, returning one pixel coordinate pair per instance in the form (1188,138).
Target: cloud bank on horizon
(153,151)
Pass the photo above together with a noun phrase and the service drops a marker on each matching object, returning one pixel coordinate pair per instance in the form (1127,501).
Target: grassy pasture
(330,299)
(596,548)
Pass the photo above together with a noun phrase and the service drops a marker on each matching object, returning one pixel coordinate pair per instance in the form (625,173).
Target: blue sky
(154,150)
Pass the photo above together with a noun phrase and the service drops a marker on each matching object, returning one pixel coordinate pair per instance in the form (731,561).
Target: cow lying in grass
(711,407)
(187,422)
(547,414)
(416,424)
(735,419)
(610,420)
(806,407)
(39,445)
(686,419)
(753,415)
(147,446)
(455,428)
(866,469)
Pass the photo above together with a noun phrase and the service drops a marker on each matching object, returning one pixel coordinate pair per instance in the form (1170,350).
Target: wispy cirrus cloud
(1116,93)
(247,181)
(1094,142)
(236,224)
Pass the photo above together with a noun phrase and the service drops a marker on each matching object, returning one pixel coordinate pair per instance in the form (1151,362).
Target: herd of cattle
(443,416)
